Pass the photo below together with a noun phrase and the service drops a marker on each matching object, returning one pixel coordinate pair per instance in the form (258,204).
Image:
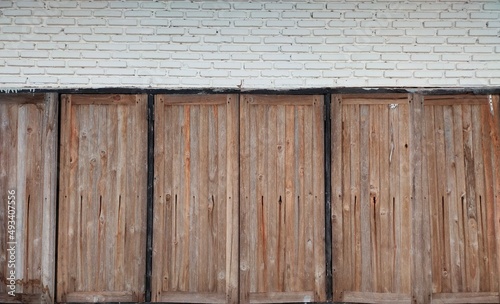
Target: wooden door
(371,189)
(462,165)
(195,247)
(282,253)
(102,199)
(28,162)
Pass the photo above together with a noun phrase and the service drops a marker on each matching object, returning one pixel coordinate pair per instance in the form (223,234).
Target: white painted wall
(259,44)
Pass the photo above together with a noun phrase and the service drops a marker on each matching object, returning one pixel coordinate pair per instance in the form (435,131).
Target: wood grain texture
(466,297)
(102,230)
(372,297)
(28,162)
(281,175)
(460,156)
(196,198)
(370,196)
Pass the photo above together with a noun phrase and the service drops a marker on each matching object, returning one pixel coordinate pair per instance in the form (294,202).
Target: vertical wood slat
(28,160)
(102,194)
(292,190)
(371,195)
(196,203)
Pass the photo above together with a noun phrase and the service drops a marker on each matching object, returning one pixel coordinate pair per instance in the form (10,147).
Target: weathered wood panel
(461,155)
(195,251)
(371,188)
(28,162)
(102,199)
(282,199)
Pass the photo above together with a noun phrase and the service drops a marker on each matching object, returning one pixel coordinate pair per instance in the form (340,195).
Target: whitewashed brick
(440,66)
(485,15)
(296,14)
(125,38)
(295,48)
(184,23)
(16,29)
(139,13)
(16,12)
(34,71)
(398,73)
(249,23)
(65,54)
(309,40)
(234,31)
(91,21)
(215,5)
(233,48)
(13,79)
(42,79)
(311,23)
(248,6)
(458,74)
(6,4)
(34,54)
(406,24)
(247,39)
(28,21)
(264,15)
(185,56)
(73,80)
(358,15)
(428,74)
(203,48)
(90,71)
(61,4)
(438,24)
(424,15)
(424,57)
(365,57)
(51,63)
(245,56)
(122,22)
(10,70)
(296,32)
(124,4)
(77,30)
(93,4)
(108,30)
(340,6)
(275,73)
(457,57)
(60,71)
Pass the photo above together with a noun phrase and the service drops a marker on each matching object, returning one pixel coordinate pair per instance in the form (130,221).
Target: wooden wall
(282,199)
(239,197)
(195,248)
(28,165)
(102,199)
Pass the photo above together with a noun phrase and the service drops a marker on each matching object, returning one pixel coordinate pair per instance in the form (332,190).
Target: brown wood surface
(370,195)
(466,297)
(102,231)
(373,297)
(461,156)
(28,160)
(196,198)
(282,197)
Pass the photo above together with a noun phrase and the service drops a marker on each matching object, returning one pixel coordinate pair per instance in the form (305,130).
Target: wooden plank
(103,296)
(244,241)
(192,297)
(24,298)
(339,196)
(260,200)
(450,100)
(421,280)
(282,297)
(319,197)
(103,99)
(290,200)
(374,203)
(374,99)
(272,198)
(375,297)
(20,99)
(466,297)
(194,100)
(233,203)
(394,158)
(280,189)
(284,100)
(365,203)
(355,191)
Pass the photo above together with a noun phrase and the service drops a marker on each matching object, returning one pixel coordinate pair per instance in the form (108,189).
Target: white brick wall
(242,44)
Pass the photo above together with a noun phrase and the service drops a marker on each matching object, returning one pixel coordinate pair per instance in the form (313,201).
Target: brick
(276,57)
(104,81)
(215,6)
(28,21)
(406,24)
(327,32)
(183,5)
(441,66)
(195,82)
(43,79)
(375,23)
(264,15)
(90,71)
(185,56)
(184,23)
(156,55)
(365,57)
(233,48)
(214,73)
(108,30)
(6,4)
(247,40)
(471,24)
(82,63)
(372,6)
(307,74)
(225,83)
(245,74)
(169,14)
(170,64)
(13,79)
(456,57)
(18,45)
(425,57)
(216,23)
(390,15)
(65,54)
(368,73)
(318,66)
(389,32)
(142,47)
(265,32)
(50,46)
(279,6)
(326,15)
(359,32)
(398,74)
(153,5)
(289,82)
(119,71)
(311,23)
(77,30)
(258,65)
(109,13)
(77,13)
(196,65)
(182,73)
(380,65)
(305,57)
(20,62)
(485,15)
(170,31)
(140,31)
(428,74)
(199,14)
(296,14)
(91,21)
(16,12)
(309,40)
(203,48)
(325,48)
(454,15)
(10,71)
(93,4)
(61,4)
(484,32)
(275,73)
(461,40)
(247,6)
(249,23)
(479,57)
(74,80)
(340,6)
(96,38)
(142,64)
(245,56)
(296,32)
(51,63)
(47,13)
(173,47)
(489,40)
(232,14)
(139,13)
(358,15)
(472,82)
(400,40)
(34,54)
(186,39)
(33,71)
(124,4)
(5,20)
(339,40)
(438,24)
(431,40)
(234,32)
(434,6)
(278,40)
(288,66)
(424,15)
(60,71)
(151,72)
(457,74)
(112,64)
(294,48)
(122,22)
(357,48)
(125,38)
(421,32)
(16,29)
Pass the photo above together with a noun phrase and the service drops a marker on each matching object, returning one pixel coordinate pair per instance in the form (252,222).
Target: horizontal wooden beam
(375,297)
(103,296)
(466,297)
(446,100)
(22,98)
(179,99)
(281,297)
(22,298)
(100,99)
(296,100)
(374,99)
(192,297)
